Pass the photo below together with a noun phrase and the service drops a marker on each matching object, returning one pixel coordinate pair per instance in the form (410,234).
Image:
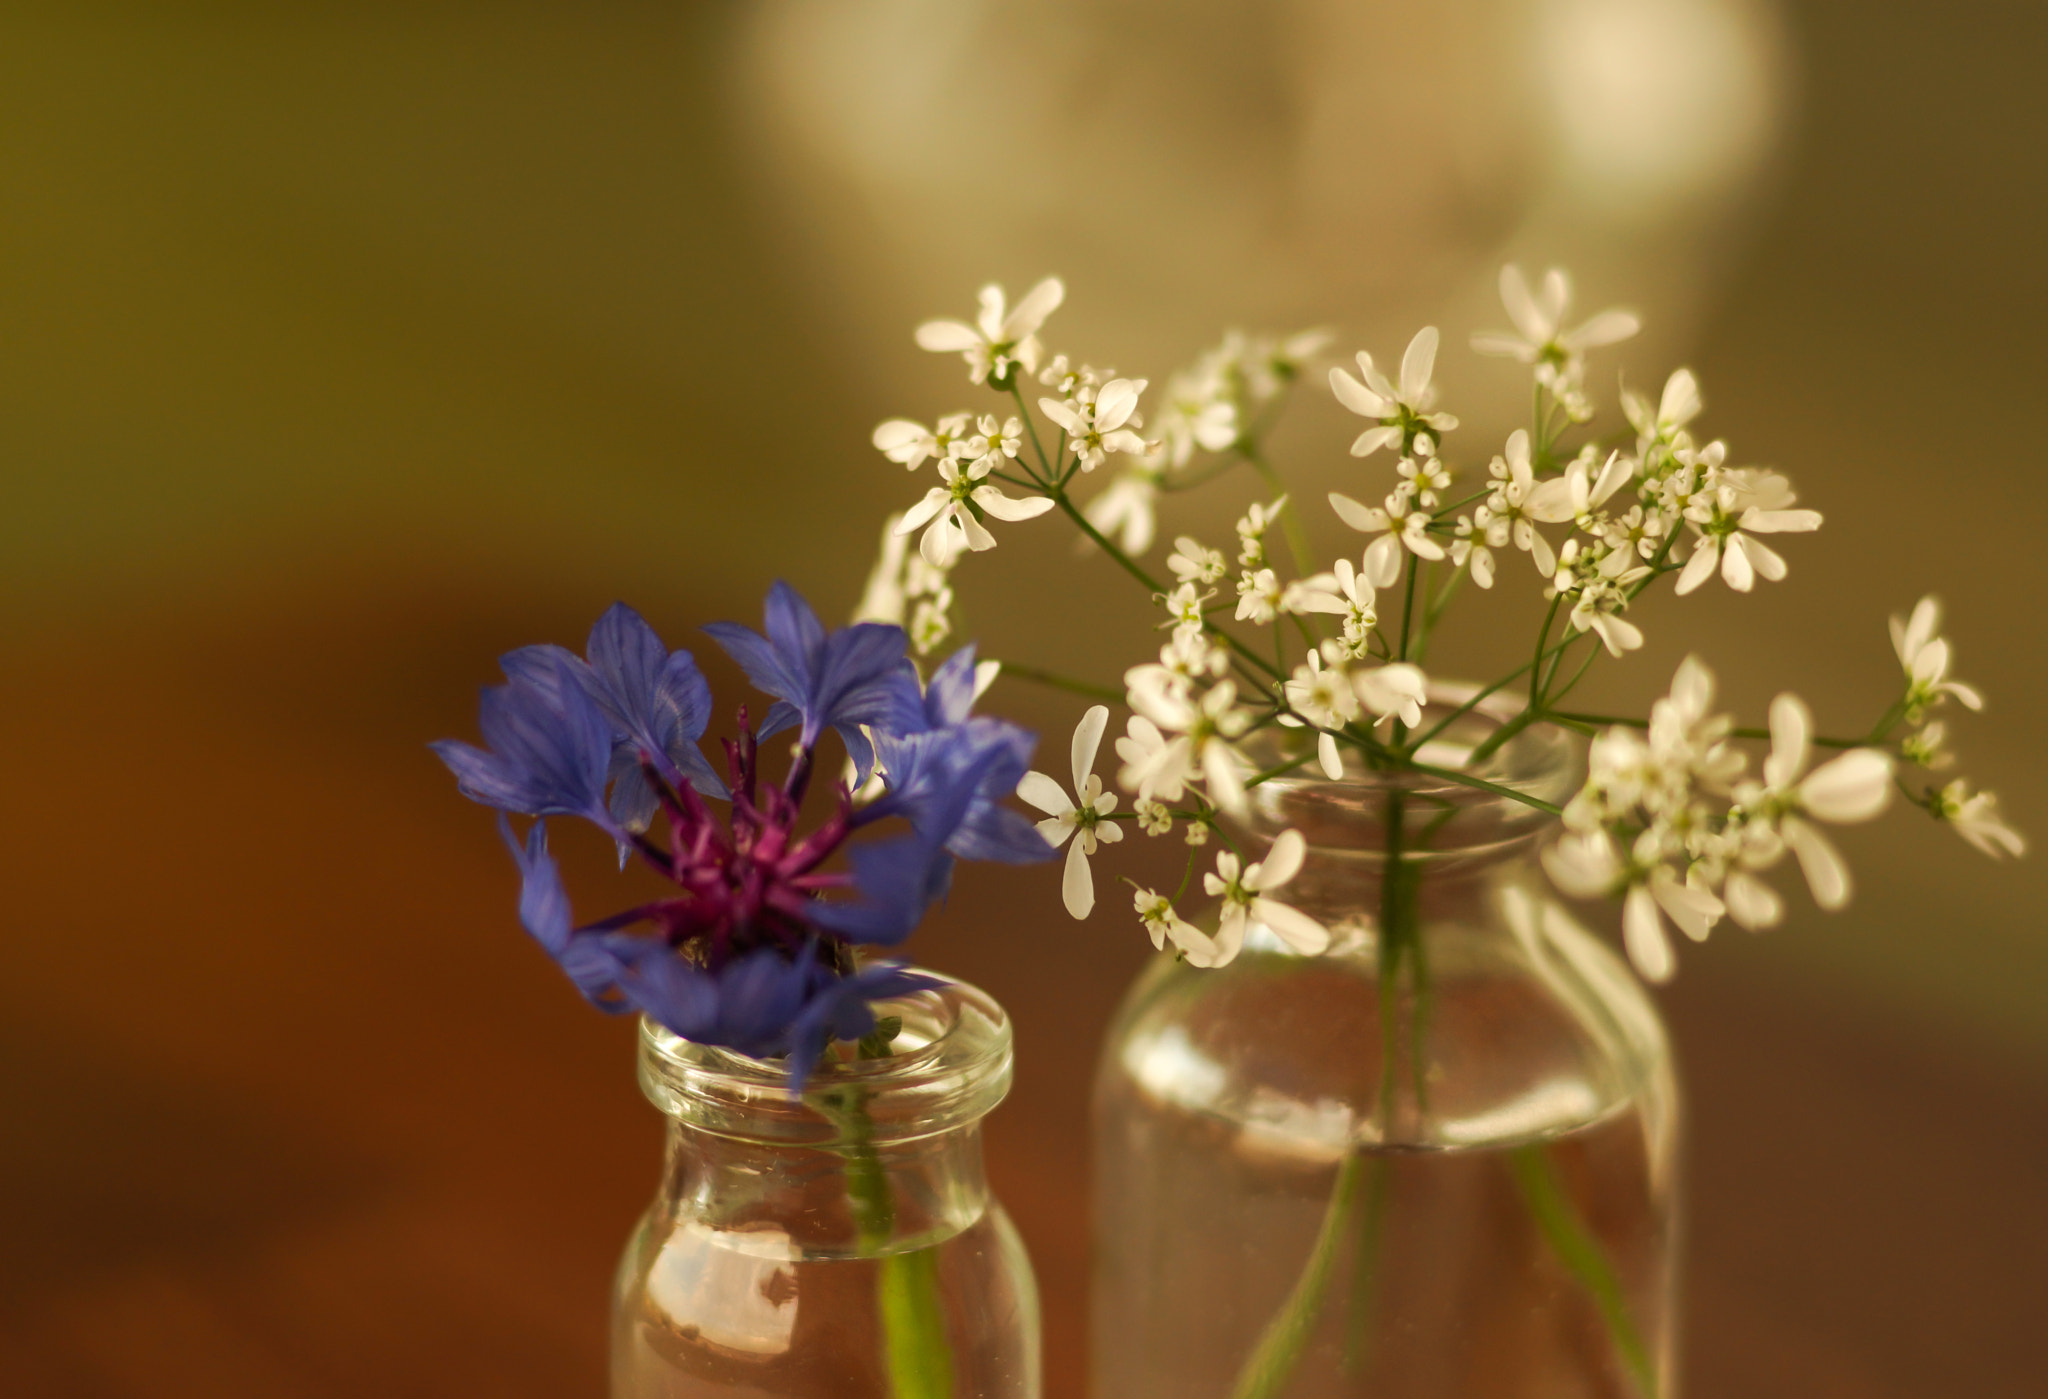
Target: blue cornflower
(841,680)
(657,701)
(842,1009)
(949,694)
(550,745)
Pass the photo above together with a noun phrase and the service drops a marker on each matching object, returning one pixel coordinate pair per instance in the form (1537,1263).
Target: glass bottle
(1438,1160)
(838,1246)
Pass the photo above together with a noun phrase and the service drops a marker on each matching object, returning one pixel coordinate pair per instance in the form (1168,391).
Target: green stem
(1290,518)
(1604,720)
(1272,1361)
(919,1360)
(1061,682)
(1466,779)
(1583,1258)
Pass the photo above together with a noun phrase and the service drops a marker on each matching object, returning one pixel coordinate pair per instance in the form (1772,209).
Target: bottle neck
(853,1199)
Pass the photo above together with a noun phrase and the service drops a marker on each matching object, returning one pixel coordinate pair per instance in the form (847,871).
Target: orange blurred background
(343,347)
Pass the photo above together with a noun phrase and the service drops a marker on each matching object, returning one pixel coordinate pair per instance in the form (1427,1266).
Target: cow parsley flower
(1001,339)
(1192,563)
(1403,413)
(1976,820)
(1925,657)
(1101,421)
(1396,691)
(1400,526)
(1539,337)
(1346,594)
(1128,510)
(1857,786)
(1198,413)
(1081,816)
(1258,596)
(1660,427)
(1251,532)
(1248,902)
(1154,818)
(1164,925)
(950,514)
(1325,697)
(1186,609)
(1173,739)
(1729,540)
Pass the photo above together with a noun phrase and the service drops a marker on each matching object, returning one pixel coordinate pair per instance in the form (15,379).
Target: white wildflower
(1976,820)
(1399,525)
(1923,748)
(995,442)
(1248,902)
(1857,786)
(1402,412)
(1196,833)
(1154,818)
(1080,817)
(1925,657)
(1396,691)
(1155,911)
(1127,511)
(1661,426)
(1185,607)
(950,513)
(1346,594)
(1325,697)
(1423,477)
(1539,337)
(1577,494)
(1479,534)
(1174,739)
(1198,413)
(1000,339)
(1192,563)
(1728,509)
(1251,531)
(1100,421)
(1258,596)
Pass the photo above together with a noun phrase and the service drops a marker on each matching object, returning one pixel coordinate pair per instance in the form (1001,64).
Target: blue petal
(992,832)
(766,667)
(949,697)
(793,629)
(543,902)
(781,715)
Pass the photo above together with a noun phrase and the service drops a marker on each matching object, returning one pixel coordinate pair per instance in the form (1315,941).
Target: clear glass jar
(836,1246)
(1437,1161)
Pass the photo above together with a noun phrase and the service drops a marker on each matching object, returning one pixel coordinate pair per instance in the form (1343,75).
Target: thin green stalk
(1290,518)
(1031,426)
(918,1358)
(1583,1258)
(1606,720)
(1466,779)
(1272,1362)
(1062,682)
(1365,1261)
(1536,666)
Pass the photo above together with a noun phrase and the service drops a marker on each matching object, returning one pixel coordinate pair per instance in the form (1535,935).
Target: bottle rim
(956,1068)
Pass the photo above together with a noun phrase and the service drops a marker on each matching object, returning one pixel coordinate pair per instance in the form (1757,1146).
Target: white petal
(1383,561)
(1780,521)
(1693,909)
(1063,415)
(1087,738)
(1374,438)
(1520,306)
(1753,903)
(1357,397)
(978,537)
(1540,552)
(943,336)
(1044,793)
(1735,567)
(1556,295)
(1681,401)
(1552,501)
(1360,517)
(1293,927)
(1077,885)
(1642,930)
(934,501)
(1497,342)
(1854,787)
(1618,472)
(1038,303)
(1326,753)
(1604,329)
(1826,873)
(1114,404)
(1003,507)
(1056,831)
(1791,727)
(1282,862)
(1417,364)
(940,542)
(1698,569)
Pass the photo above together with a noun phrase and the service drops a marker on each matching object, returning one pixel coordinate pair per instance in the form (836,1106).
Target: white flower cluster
(1670,822)
(1924,656)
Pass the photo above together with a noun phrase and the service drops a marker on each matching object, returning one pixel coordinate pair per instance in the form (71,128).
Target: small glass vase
(838,1246)
(1438,1160)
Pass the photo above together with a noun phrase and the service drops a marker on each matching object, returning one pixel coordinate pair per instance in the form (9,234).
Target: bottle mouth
(951,1066)
(1442,820)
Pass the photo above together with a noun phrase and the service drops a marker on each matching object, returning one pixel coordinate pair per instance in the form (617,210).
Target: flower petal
(1087,739)
(1077,884)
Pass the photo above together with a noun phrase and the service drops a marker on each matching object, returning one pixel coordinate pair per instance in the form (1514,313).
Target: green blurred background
(343,346)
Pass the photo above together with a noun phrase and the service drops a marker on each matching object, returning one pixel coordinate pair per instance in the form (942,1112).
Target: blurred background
(345,346)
